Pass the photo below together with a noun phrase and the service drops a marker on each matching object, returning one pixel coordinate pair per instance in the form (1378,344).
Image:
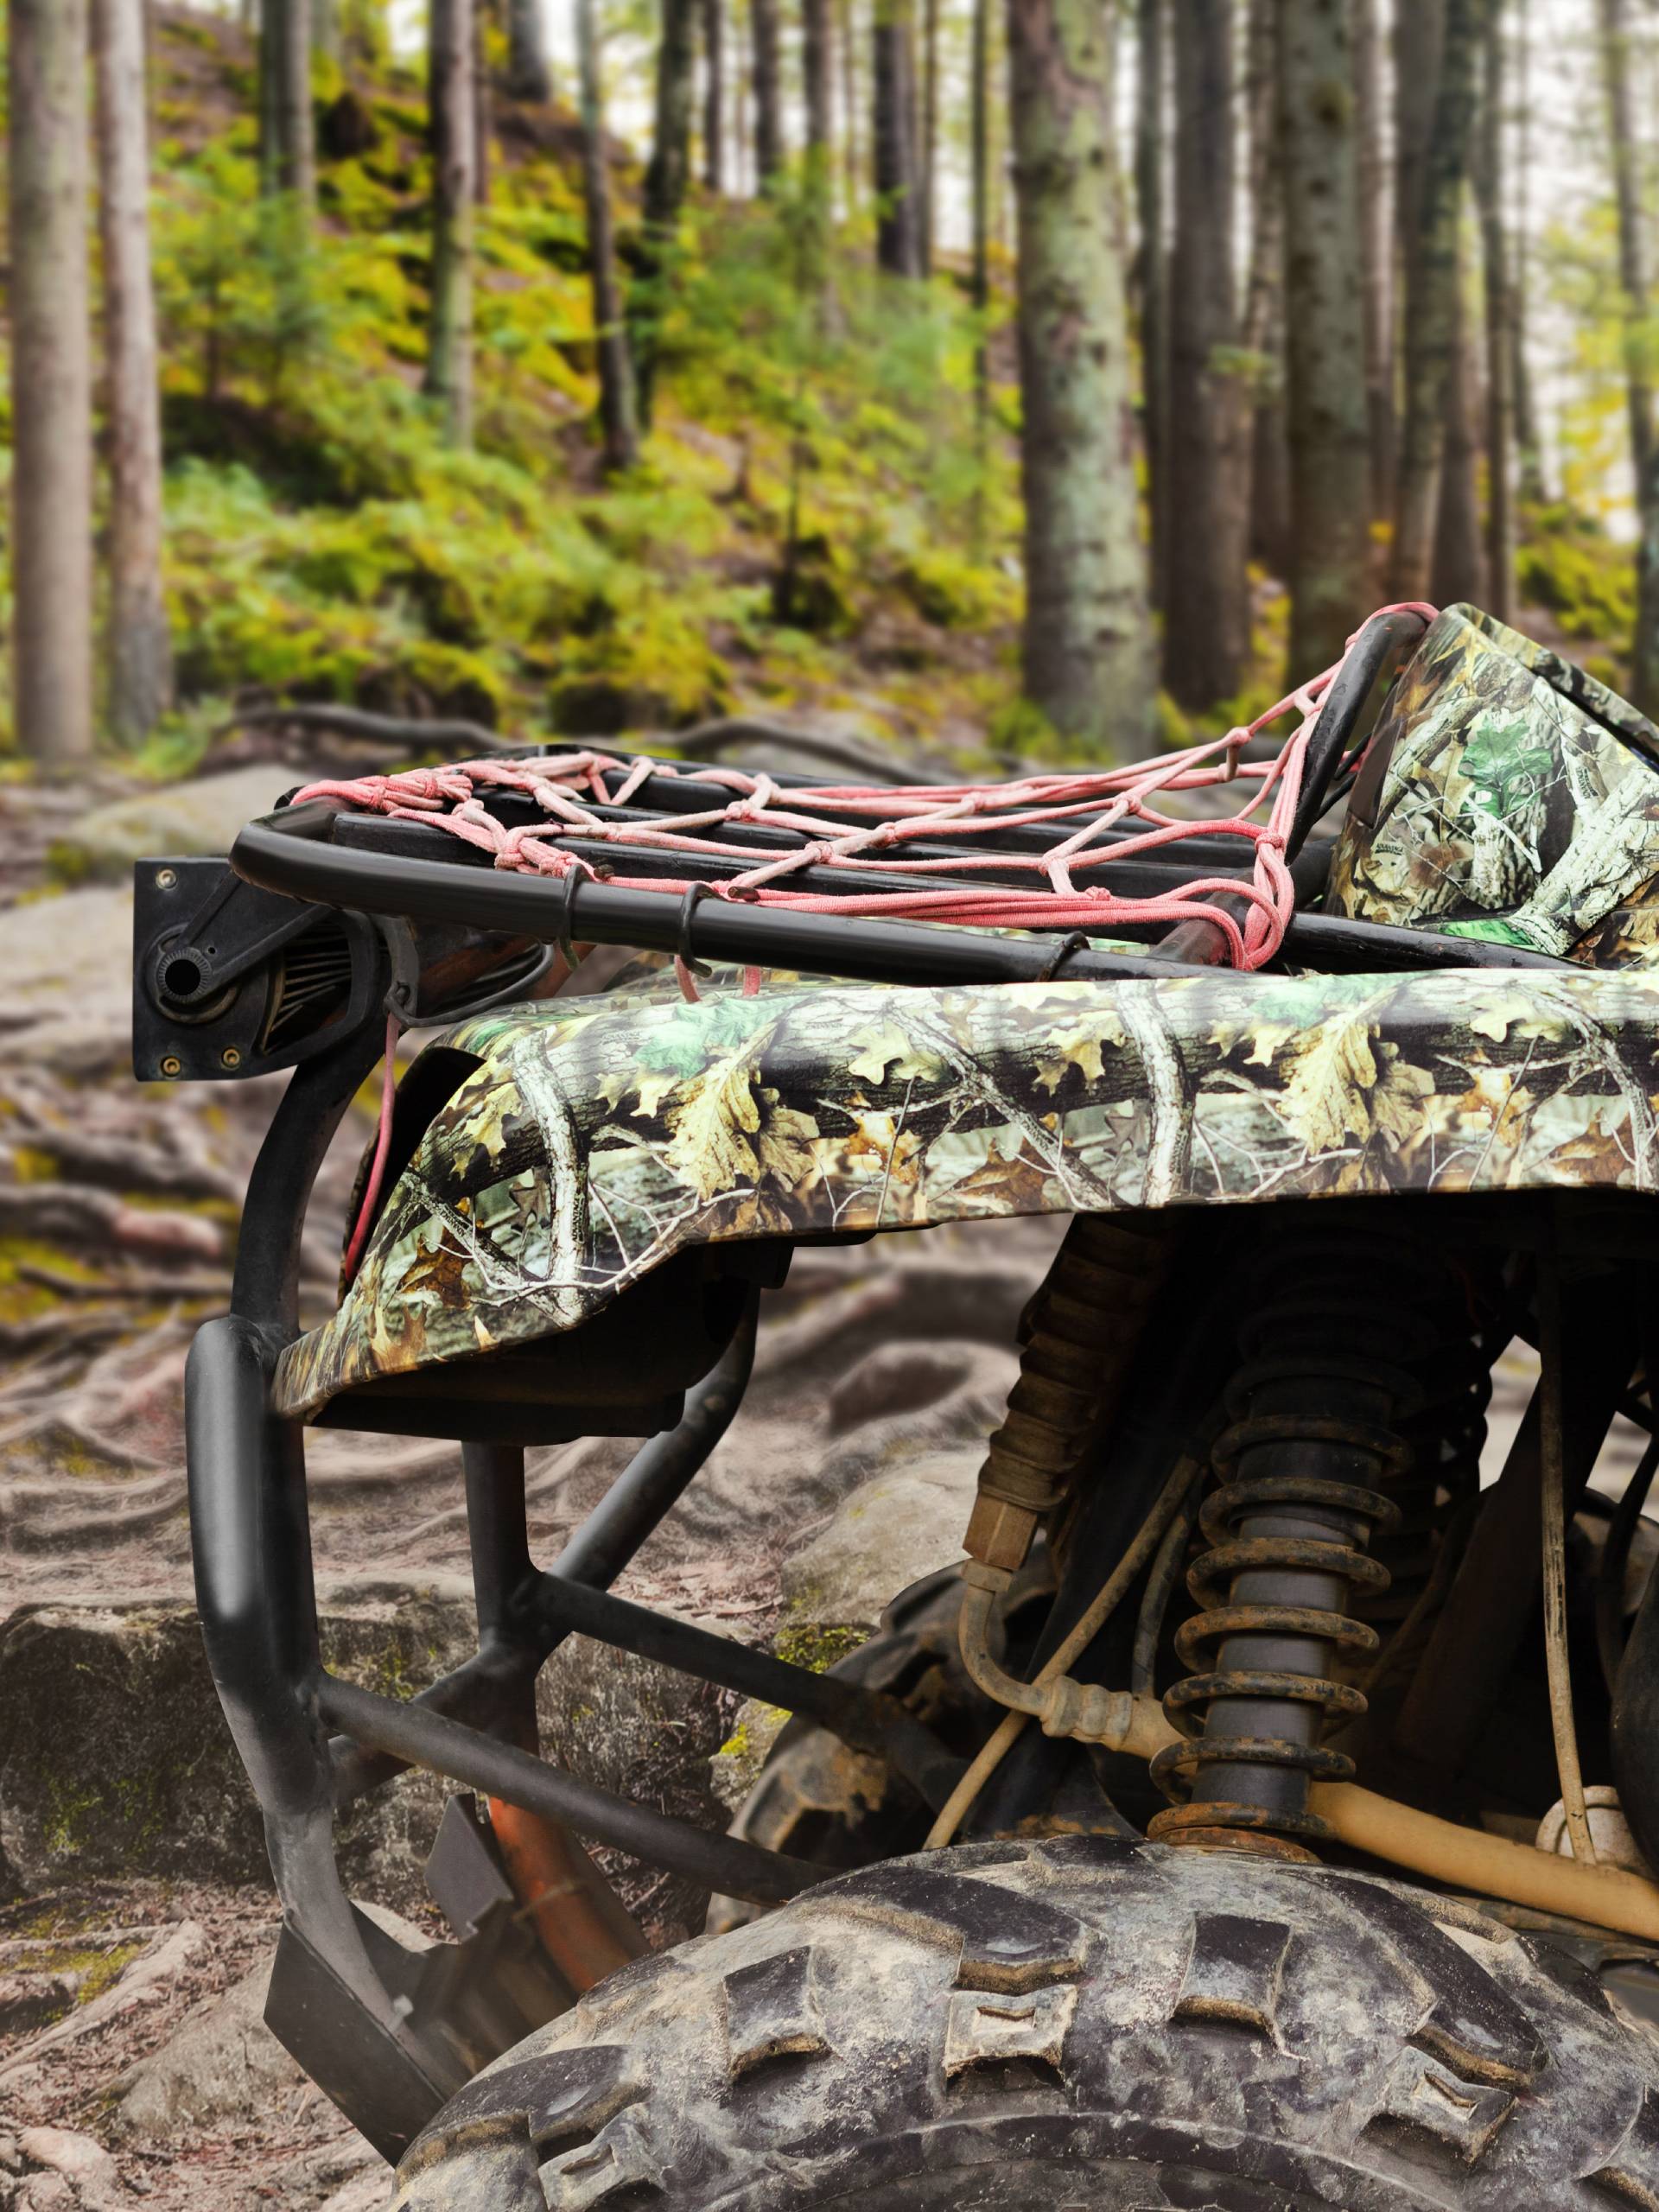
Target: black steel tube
(662,1469)
(1333,941)
(422,1738)
(1343,703)
(486,1688)
(291,852)
(553,1606)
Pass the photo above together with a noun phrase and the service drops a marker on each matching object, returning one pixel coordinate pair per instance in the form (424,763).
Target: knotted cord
(888,820)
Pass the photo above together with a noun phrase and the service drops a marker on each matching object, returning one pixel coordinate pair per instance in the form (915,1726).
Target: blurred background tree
(597,364)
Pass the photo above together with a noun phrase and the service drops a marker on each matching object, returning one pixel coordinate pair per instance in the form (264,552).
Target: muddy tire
(1074,2024)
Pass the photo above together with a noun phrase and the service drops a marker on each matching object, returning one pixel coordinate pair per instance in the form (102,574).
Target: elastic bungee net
(1098,800)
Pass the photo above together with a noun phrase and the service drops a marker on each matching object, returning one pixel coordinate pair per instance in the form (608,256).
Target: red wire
(365,1212)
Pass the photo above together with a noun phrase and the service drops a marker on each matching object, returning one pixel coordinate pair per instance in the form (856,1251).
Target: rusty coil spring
(1333,1354)
(1354,1513)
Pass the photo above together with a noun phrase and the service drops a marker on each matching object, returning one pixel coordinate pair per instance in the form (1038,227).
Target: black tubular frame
(376,2026)
(323,853)
(340,1991)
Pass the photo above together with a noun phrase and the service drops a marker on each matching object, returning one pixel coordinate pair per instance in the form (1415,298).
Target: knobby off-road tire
(1078,2025)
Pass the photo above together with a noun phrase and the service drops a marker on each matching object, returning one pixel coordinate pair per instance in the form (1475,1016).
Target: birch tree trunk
(528,77)
(1264,306)
(666,179)
(898,229)
(1151,102)
(768,91)
(1087,660)
(139,650)
(287,152)
(714,95)
(1490,183)
(1330,447)
(618,422)
(1207,608)
(51,382)
(1432,299)
(454,116)
(1376,253)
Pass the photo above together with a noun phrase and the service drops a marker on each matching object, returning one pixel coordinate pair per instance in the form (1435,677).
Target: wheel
(1080,2024)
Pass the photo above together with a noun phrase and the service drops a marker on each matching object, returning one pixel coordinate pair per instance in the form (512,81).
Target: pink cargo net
(1098,800)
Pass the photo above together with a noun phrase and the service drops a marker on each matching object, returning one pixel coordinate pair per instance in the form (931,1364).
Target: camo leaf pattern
(594,1138)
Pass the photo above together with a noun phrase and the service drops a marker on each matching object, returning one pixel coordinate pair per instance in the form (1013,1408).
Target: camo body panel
(1520,803)
(596,1137)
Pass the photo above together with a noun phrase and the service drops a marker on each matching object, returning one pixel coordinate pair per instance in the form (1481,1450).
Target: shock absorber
(1317,1409)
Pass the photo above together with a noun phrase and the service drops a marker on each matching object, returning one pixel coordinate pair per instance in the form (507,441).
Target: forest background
(1051,380)
(954,382)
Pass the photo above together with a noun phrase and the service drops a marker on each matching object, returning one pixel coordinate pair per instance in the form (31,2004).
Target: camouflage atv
(1294,1894)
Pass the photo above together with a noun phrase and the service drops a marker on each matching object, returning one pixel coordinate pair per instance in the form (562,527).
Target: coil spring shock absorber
(1326,1378)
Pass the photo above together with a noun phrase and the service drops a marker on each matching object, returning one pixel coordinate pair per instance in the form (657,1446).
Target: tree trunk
(979,161)
(1458,571)
(1154,268)
(1330,447)
(927,162)
(528,77)
(618,423)
(851,106)
(714,95)
(1264,306)
(817,71)
(1632,242)
(483,108)
(1206,631)
(1376,253)
(1500,332)
(325,42)
(899,248)
(1432,299)
(287,154)
(1528,443)
(768,91)
(1087,659)
(1633,284)
(666,179)
(140,651)
(452,120)
(51,382)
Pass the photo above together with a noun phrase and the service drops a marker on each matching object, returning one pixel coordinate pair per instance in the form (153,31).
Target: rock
(366,2192)
(28,2001)
(67,966)
(45,2192)
(222,2061)
(77,2161)
(892,1530)
(115,1756)
(178,820)
(736,1767)
(345,2162)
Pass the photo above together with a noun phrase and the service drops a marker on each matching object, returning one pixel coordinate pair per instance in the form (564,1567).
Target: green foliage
(1569,564)
(819,519)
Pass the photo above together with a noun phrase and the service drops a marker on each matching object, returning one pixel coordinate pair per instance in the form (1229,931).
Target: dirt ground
(117,1212)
